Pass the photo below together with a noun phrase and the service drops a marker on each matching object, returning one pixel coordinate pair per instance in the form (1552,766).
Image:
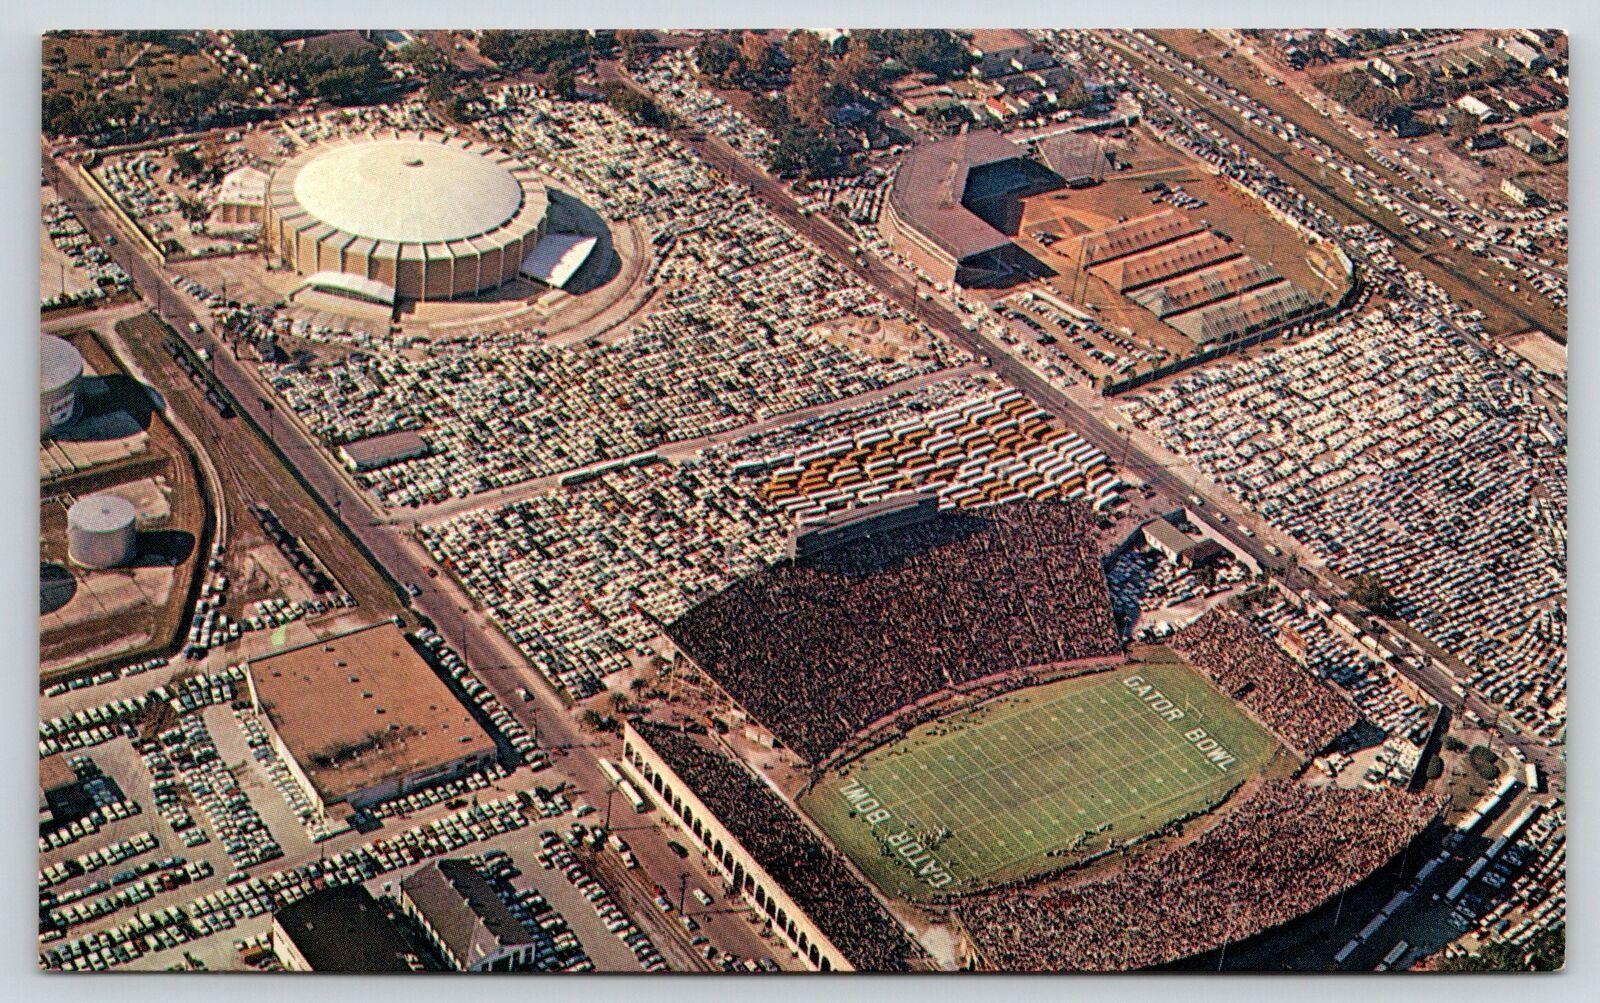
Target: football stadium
(1038,780)
(981,753)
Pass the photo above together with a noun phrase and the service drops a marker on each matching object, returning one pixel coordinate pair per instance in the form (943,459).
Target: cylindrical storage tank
(100,531)
(60,368)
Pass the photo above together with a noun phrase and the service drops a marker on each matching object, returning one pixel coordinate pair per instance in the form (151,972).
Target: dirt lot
(88,616)
(1542,350)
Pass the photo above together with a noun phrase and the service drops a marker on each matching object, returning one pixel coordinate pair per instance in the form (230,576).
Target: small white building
(1474,105)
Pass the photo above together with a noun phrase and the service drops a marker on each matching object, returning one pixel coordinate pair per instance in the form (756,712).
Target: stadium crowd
(1280,853)
(1391,447)
(820,649)
(1299,708)
(815,877)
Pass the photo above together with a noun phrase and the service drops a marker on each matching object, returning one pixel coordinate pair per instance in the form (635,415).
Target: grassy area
(1038,780)
(95,63)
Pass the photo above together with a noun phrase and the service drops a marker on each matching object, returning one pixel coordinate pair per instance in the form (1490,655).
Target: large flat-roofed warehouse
(953,202)
(360,718)
(381,217)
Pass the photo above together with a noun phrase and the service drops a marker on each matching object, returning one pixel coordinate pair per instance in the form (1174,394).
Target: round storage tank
(60,367)
(100,531)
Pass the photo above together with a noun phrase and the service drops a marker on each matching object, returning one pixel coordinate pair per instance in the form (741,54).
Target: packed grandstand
(816,877)
(1305,712)
(822,649)
(1284,850)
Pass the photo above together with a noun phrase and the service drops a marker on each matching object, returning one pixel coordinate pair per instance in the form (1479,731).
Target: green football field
(1036,780)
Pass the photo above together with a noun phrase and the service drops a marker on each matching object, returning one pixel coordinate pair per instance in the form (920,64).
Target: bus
(610,770)
(634,797)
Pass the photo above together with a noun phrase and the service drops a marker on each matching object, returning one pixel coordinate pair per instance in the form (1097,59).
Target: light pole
(610,793)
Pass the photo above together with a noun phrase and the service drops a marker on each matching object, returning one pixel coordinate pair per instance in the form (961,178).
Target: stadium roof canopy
(558,257)
(931,182)
(409,191)
(347,284)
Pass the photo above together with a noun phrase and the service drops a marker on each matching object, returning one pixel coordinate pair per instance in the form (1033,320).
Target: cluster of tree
(184,43)
(65,114)
(536,50)
(445,89)
(1384,103)
(634,104)
(919,50)
(593,720)
(801,148)
(1372,593)
(1484,763)
(347,77)
(1546,951)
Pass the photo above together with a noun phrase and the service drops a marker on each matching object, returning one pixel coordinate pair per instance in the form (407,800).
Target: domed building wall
(431,217)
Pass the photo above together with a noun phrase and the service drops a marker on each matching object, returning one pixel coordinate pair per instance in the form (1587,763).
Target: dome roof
(407,191)
(60,363)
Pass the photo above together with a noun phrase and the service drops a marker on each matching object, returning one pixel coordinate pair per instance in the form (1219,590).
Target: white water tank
(60,368)
(100,531)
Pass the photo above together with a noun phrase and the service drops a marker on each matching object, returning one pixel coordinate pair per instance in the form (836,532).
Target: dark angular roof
(931,182)
(344,929)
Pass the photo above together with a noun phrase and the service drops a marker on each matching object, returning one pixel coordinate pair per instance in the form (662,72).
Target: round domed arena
(413,217)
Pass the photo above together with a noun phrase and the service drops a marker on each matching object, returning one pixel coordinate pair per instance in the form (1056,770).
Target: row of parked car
(555,855)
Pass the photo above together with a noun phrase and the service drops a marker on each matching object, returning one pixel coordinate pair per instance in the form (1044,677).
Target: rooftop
(363,708)
(344,929)
(931,182)
(377,450)
(465,911)
(407,190)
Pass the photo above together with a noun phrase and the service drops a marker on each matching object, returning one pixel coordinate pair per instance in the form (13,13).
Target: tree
(633,104)
(189,163)
(715,55)
(1372,593)
(805,95)
(560,80)
(633,44)
(858,69)
(755,53)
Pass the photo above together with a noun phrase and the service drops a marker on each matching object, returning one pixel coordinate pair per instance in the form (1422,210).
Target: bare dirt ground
(126,612)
